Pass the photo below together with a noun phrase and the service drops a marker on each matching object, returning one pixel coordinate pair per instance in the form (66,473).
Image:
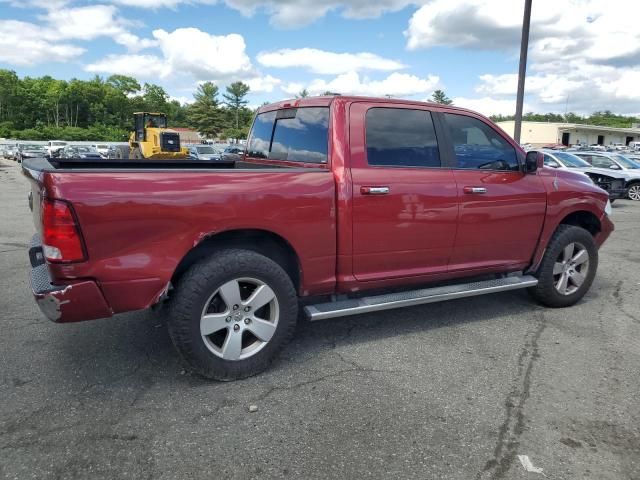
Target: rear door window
(401,137)
(294,134)
(478,146)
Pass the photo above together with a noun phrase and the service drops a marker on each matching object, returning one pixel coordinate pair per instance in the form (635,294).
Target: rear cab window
(291,134)
(401,137)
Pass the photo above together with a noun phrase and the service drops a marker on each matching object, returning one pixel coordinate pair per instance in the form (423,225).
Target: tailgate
(35,195)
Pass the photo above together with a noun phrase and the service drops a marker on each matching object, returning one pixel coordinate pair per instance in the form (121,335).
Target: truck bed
(139,220)
(76,164)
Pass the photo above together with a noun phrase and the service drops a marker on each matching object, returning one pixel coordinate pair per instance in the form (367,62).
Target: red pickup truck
(343,205)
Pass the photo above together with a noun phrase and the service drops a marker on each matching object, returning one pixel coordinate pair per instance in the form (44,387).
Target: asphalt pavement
(480,388)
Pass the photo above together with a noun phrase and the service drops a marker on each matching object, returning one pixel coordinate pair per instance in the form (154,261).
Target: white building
(540,134)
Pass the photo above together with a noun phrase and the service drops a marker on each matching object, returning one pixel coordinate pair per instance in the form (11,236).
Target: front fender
(569,193)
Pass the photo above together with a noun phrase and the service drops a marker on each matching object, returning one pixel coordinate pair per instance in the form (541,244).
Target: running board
(343,308)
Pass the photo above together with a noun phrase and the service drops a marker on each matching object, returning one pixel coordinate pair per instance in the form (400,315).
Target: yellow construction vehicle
(151,139)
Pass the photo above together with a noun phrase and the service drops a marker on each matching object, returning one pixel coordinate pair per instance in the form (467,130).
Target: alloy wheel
(571,268)
(239,319)
(634,192)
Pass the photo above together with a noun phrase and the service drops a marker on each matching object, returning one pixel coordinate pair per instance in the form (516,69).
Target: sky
(584,55)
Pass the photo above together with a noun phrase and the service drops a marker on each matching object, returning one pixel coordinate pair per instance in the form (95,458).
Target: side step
(343,308)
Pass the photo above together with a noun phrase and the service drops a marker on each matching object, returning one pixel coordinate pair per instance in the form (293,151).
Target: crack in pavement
(513,426)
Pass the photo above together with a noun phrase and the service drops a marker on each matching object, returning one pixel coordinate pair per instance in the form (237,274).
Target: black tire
(545,292)
(195,289)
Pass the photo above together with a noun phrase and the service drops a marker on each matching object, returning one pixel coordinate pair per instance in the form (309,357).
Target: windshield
(625,162)
(84,150)
(571,160)
(102,146)
(155,121)
(58,144)
(36,148)
(207,150)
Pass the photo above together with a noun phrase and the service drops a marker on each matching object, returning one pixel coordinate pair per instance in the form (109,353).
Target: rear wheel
(231,314)
(567,269)
(634,192)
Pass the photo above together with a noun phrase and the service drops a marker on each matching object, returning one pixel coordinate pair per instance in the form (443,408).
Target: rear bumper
(72,301)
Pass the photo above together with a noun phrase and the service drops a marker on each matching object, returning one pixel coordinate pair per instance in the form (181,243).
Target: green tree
(124,84)
(304,93)
(204,114)
(235,98)
(155,97)
(439,96)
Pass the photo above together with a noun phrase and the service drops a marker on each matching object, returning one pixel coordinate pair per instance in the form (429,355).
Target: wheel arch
(264,242)
(584,219)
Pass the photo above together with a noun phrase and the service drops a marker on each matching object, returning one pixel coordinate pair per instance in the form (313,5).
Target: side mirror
(615,167)
(552,164)
(533,161)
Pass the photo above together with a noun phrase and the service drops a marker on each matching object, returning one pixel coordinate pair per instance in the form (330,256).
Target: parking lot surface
(457,390)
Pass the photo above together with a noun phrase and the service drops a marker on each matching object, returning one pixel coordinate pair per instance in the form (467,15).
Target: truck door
(502,209)
(405,204)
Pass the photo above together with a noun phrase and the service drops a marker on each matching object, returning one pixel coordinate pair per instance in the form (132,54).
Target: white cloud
(290,13)
(324,62)
(487,105)
(143,67)
(23,43)
(182,99)
(185,51)
(263,84)
(584,55)
(157,4)
(188,54)
(396,84)
(203,55)
(91,22)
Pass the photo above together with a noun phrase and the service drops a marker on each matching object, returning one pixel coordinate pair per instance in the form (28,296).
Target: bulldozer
(151,139)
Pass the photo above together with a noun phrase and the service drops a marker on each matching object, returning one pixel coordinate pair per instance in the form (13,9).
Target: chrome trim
(374,190)
(377,303)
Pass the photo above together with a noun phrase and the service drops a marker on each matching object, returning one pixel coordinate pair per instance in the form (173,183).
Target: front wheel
(634,192)
(231,314)
(567,269)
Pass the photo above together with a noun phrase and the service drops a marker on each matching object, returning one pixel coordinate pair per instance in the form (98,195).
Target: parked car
(613,182)
(4,148)
(204,152)
(30,150)
(615,161)
(233,152)
(341,197)
(101,148)
(10,151)
(80,152)
(55,147)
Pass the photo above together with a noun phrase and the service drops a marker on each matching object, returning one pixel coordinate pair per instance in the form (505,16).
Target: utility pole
(522,71)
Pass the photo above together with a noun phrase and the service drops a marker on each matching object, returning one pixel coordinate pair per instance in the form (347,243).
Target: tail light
(61,241)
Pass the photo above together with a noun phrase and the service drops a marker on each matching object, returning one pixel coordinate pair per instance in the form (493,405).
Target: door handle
(374,190)
(474,190)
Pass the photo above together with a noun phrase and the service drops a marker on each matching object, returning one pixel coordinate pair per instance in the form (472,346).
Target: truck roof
(325,101)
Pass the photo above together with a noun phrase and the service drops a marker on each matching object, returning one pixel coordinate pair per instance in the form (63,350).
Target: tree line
(601,119)
(102,109)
